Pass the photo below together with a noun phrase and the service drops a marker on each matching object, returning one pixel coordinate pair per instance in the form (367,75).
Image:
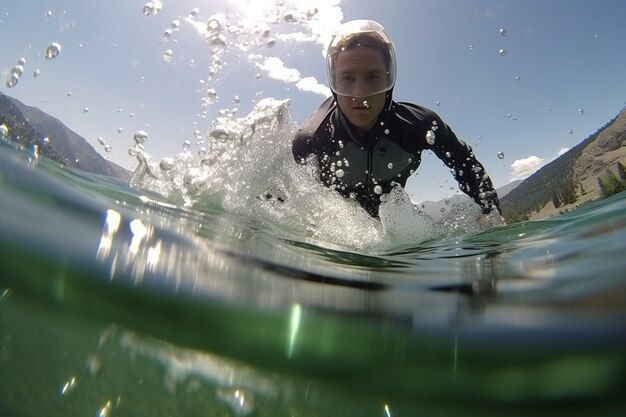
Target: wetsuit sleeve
(467,170)
(307,140)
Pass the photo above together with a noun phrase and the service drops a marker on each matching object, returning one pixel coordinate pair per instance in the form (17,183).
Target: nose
(360,88)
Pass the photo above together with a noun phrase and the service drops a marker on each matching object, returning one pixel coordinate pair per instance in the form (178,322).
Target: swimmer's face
(358,72)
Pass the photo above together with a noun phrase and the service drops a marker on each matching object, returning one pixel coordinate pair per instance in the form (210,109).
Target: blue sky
(110,79)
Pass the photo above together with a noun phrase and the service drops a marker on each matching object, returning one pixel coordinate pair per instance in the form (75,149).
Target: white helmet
(354,34)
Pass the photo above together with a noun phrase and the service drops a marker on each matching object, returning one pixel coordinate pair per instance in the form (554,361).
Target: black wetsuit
(365,166)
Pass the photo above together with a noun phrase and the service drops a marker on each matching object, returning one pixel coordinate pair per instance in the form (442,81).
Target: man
(364,142)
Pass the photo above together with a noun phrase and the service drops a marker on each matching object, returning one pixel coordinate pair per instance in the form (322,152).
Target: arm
(467,170)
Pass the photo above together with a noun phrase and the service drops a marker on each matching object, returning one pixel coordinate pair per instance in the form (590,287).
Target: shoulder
(415,113)
(313,123)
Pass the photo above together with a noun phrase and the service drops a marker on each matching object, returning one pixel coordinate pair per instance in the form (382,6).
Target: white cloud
(523,168)
(277,70)
(311,84)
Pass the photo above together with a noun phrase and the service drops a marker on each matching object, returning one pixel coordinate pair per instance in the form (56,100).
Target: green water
(212,313)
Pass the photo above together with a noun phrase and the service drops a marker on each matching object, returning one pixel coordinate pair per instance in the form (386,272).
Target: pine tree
(621,171)
(555,199)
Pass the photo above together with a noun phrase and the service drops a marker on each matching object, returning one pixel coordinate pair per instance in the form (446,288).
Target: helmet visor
(361,60)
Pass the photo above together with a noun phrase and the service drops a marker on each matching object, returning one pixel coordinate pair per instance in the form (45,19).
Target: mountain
(29,126)
(571,179)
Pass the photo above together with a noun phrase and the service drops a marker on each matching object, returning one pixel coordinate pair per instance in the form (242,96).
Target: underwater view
(201,271)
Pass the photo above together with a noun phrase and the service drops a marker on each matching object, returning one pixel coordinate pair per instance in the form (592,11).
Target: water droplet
(438,103)
(17,71)
(68,387)
(12,81)
(430,137)
(500,155)
(502,52)
(36,73)
(471,47)
(386,131)
(140,137)
(152,8)
(194,12)
(53,50)
(390,165)
(503,32)
(366,104)
(21,61)
(167,164)
(86,110)
(168,33)
(213,27)
(581,111)
(271,43)
(108,148)
(167,55)
(378,189)
(49,13)
(119,130)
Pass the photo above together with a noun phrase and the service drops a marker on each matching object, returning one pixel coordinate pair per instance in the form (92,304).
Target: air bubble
(53,50)
(503,32)
(339,173)
(366,104)
(378,189)
(502,52)
(390,165)
(581,111)
(500,155)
